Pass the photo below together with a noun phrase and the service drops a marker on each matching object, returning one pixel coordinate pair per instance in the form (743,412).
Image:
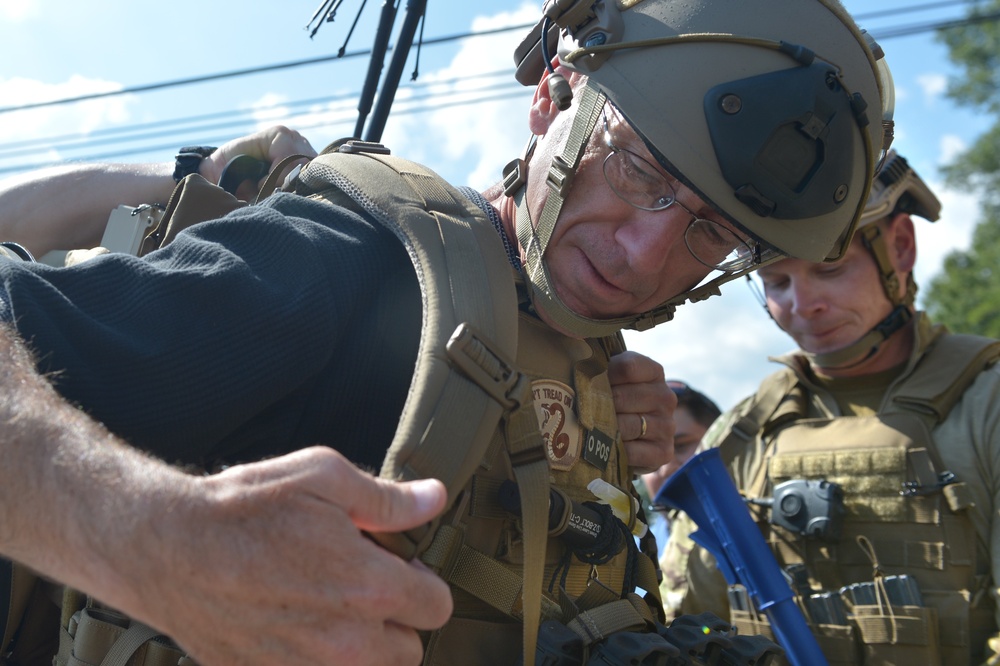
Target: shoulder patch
(555,407)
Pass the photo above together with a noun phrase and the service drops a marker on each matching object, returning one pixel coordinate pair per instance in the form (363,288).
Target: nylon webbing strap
(745,428)
(563,169)
(871,236)
(460,274)
(480,575)
(531,470)
(963,357)
(130,641)
(535,238)
(629,614)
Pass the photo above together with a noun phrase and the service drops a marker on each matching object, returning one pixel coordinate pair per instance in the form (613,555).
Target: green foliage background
(966,294)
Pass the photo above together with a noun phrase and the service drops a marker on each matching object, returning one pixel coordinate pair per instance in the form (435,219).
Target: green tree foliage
(975,48)
(965,295)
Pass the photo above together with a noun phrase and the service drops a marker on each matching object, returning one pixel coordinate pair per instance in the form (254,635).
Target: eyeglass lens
(636,181)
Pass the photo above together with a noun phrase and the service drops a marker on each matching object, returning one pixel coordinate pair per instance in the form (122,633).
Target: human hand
(276,569)
(270,145)
(645,407)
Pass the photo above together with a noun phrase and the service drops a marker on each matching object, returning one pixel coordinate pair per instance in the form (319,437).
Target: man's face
(826,306)
(606,257)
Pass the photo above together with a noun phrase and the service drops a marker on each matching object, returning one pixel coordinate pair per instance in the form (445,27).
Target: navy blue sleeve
(247,336)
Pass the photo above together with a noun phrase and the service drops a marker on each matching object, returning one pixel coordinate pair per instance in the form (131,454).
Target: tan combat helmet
(897,189)
(775,112)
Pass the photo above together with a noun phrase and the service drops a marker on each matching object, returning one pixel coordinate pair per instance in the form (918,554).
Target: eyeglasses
(637,182)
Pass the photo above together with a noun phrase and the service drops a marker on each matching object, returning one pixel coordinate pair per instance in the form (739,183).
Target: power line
(405,106)
(905,31)
(880,34)
(148,87)
(897,11)
(244,118)
(142,130)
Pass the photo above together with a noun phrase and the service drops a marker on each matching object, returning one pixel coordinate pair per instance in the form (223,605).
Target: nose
(806,300)
(650,237)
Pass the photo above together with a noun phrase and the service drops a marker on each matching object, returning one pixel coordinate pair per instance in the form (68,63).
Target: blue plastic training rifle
(703,489)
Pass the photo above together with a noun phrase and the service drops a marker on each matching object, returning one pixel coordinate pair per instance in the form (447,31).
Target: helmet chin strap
(534,239)
(863,349)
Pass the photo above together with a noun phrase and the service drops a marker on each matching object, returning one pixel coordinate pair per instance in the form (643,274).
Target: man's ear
(543,110)
(903,243)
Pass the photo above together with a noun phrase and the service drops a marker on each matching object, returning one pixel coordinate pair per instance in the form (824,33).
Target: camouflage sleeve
(975,423)
(674,564)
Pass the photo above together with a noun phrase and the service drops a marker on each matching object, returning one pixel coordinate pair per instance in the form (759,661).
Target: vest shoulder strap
(467,345)
(773,393)
(944,373)
(469,335)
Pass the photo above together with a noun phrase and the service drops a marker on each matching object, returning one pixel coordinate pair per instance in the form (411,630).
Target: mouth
(589,293)
(825,335)
(601,285)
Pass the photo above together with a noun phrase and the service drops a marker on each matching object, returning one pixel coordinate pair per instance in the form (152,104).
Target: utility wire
(405,106)
(134,132)
(879,34)
(905,31)
(239,72)
(205,123)
(897,11)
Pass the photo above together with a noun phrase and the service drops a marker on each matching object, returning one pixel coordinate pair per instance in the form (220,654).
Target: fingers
(285,142)
(644,457)
(424,600)
(633,367)
(639,389)
(375,505)
(270,145)
(645,406)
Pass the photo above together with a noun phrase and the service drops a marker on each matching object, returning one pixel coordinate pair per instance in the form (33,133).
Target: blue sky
(57,50)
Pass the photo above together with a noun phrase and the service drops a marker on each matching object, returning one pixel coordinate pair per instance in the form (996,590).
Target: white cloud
(951,146)
(719,346)
(933,86)
(959,215)
(269,108)
(16,11)
(470,143)
(60,120)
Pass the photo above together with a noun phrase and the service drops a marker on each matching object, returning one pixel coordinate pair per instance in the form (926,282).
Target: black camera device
(810,507)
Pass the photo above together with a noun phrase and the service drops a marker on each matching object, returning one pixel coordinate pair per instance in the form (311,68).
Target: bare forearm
(67,207)
(72,492)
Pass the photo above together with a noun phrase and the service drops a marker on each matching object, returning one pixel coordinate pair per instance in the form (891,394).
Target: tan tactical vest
(536,410)
(483,549)
(899,518)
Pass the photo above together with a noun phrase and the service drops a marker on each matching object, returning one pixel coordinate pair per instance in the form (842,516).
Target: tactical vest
(538,426)
(548,425)
(903,514)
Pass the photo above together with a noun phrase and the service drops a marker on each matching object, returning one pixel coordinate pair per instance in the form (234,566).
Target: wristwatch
(189,159)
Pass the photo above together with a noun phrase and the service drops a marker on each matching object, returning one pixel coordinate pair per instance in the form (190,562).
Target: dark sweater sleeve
(231,331)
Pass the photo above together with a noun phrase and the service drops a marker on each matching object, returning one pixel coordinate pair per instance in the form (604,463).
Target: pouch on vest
(194,200)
